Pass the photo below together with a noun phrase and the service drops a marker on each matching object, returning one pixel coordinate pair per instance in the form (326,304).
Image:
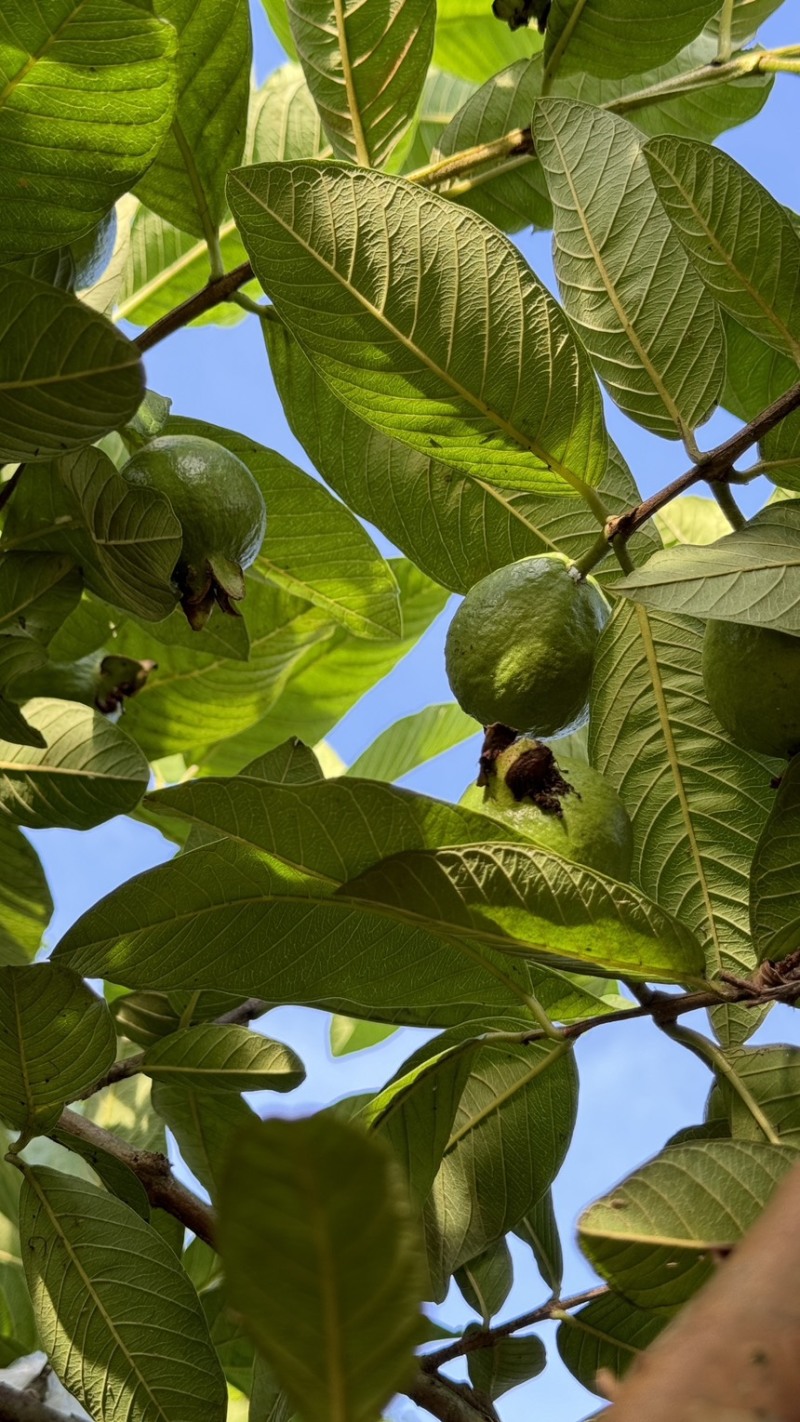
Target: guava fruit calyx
(532,775)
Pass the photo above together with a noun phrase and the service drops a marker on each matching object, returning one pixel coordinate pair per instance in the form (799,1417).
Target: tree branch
(716,465)
(153,1170)
(21,1405)
(449,1401)
(487,1337)
(216,291)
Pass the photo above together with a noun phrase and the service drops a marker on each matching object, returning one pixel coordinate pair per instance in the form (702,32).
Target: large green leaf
(224,1058)
(697,802)
(653,1237)
(760,1094)
(747,16)
(25,902)
(412,741)
(66,375)
(651,328)
(314,546)
(456,525)
(691,519)
(365,66)
(328,830)
(702,111)
(413,334)
(86,100)
(186,184)
(56,1040)
(135,537)
(756,375)
(742,242)
(144,1350)
(37,593)
(330,675)
(618,37)
(321,1207)
(517,196)
(202,922)
(203,1122)
(510,1133)
(196,698)
(164,265)
(751,576)
(608,1333)
(87,770)
(471,43)
(775,873)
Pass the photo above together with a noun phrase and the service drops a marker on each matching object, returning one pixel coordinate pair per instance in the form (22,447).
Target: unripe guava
(563,805)
(752,681)
(221,512)
(521,646)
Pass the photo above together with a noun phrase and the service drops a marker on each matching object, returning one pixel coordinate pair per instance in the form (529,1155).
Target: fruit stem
(556,1034)
(594,555)
(724,497)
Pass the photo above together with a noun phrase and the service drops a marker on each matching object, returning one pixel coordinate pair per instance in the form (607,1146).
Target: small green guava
(221,512)
(752,681)
(521,646)
(562,805)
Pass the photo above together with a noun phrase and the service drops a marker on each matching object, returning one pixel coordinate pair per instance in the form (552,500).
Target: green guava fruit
(521,646)
(752,681)
(221,512)
(562,805)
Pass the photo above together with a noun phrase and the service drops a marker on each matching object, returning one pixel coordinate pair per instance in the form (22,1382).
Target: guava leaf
(427,381)
(142,1323)
(87,770)
(365,67)
(414,740)
(654,1235)
(608,1333)
(775,873)
(223,1058)
(56,1040)
(647,321)
(67,376)
(622,37)
(186,183)
(742,242)
(25,902)
(750,576)
(472,44)
(75,136)
(697,802)
(341,1329)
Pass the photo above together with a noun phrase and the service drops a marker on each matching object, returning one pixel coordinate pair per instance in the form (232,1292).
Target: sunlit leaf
(413,335)
(412,741)
(56,1040)
(186,184)
(145,1352)
(742,242)
(25,902)
(649,324)
(365,66)
(471,43)
(486,1280)
(224,1058)
(75,134)
(87,771)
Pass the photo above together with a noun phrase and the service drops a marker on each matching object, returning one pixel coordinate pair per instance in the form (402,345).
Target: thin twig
(716,465)
(487,1337)
(216,291)
(153,1170)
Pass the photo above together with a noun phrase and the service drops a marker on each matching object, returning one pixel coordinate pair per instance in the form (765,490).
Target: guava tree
(630,848)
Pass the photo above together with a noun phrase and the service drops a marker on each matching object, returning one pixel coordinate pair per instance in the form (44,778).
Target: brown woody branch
(23,1405)
(487,1337)
(153,1170)
(717,465)
(216,291)
(449,1401)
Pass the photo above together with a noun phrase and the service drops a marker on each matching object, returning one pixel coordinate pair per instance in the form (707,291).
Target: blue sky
(636,1086)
